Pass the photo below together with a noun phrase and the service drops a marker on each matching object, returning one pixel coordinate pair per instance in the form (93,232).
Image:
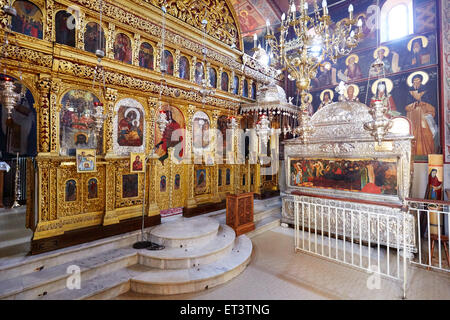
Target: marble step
(185,232)
(185,258)
(167,282)
(103,287)
(268,212)
(9,220)
(19,249)
(267,202)
(265,224)
(11,267)
(11,234)
(40,283)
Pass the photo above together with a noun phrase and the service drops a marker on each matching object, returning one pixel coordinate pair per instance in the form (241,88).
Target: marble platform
(200,253)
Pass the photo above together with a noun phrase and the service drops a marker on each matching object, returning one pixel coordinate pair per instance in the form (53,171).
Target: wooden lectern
(240,212)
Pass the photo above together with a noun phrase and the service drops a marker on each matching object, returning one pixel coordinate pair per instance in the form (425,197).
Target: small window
(396,20)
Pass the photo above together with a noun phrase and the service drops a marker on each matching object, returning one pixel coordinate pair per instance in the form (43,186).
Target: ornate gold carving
(43,85)
(49,35)
(54,91)
(136,47)
(111,97)
(110,41)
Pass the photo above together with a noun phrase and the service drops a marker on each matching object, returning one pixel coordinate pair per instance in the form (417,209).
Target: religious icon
(122,48)
(130,183)
(71,191)
(28,20)
(93,31)
(92,188)
(245,88)
(177,182)
(167,63)
(137,162)
(184,68)
(228,177)
(200,181)
(236,85)
(353,70)
(326,96)
(351,94)
(222,125)
(434,186)
(419,54)
(146,56)
(212,77)
(219,178)
(224,82)
(434,191)
(421,114)
(383,53)
(199,73)
(130,126)
(381,90)
(254,91)
(86,160)
(162,184)
(376,176)
(172,136)
(200,130)
(64,31)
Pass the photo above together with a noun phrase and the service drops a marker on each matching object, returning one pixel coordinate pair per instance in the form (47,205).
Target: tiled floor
(276,272)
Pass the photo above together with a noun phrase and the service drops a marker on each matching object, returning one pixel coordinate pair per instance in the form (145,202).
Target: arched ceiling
(254,13)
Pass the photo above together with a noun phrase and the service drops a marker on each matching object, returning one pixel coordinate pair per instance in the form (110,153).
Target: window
(396,20)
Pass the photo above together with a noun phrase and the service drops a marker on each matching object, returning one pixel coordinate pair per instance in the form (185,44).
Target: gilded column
(49,35)
(176,63)
(44,84)
(219,78)
(110,97)
(81,27)
(110,40)
(194,62)
(54,122)
(215,187)
(191,197)
(153,113)
(3,16)
(152,206)
(136,47)
(158,55)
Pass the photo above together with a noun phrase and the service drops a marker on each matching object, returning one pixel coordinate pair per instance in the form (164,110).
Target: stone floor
(276,272)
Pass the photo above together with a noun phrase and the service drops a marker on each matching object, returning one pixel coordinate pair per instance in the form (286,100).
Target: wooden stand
(240,212)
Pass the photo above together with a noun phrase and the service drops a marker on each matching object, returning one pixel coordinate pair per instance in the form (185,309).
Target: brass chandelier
(305,41)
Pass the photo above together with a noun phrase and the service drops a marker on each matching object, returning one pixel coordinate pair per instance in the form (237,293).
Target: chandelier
(304,43)
(263,129)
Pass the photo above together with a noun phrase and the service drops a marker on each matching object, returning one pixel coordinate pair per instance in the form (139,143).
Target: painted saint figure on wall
(326,97)
(212,77)
(146,56)
(167,63)
(353,70)
(199,73)
(381,90)
(418,52)
(200,130)
(421,114)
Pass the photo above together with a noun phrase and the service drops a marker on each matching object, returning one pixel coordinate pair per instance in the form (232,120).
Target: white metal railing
(432,231)
(368,240)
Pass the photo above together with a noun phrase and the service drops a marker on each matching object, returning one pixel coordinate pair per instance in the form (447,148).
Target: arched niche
(225,82)
(77,127)
(167,63)
(29,19)
(129,127)
(65,28)
(19,134)
(212,77)
(199,73)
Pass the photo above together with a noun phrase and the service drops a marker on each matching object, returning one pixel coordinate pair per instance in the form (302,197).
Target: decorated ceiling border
(260,72)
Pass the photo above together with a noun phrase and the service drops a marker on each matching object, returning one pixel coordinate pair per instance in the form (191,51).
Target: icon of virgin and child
(130,131)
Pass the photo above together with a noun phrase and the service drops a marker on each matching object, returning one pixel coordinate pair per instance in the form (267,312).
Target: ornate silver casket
(342,170)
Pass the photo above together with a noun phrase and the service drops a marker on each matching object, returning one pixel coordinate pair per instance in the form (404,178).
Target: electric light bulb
(293,9)
(350,8)
(359,23)
(306,6)
(283,17)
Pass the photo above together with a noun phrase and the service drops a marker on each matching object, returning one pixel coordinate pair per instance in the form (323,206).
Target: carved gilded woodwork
(43,85)
(110,97)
